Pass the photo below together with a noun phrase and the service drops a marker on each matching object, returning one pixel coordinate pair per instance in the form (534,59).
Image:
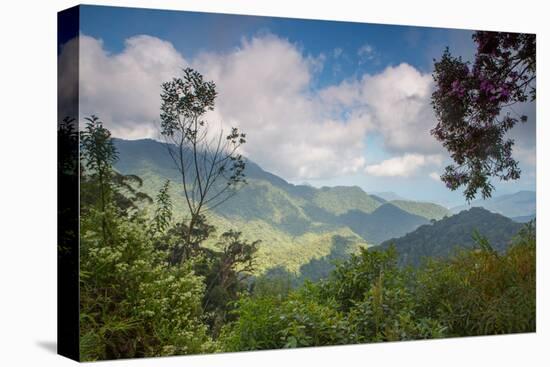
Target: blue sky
(192,32)
(353,98)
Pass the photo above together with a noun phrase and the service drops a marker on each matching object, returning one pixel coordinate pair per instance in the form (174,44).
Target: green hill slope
(445,236)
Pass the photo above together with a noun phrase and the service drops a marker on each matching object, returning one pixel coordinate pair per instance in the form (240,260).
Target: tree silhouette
(98,155)
(106,186)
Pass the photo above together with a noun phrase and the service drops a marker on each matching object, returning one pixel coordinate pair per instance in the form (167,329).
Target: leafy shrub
(480,292)
(132,302)
(298,321)
(369,298)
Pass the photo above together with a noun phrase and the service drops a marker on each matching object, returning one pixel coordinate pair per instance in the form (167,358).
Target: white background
(28,182)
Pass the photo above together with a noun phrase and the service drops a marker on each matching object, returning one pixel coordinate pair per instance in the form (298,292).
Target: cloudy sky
(327,103)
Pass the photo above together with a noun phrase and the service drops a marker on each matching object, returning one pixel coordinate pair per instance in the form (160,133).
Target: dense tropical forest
(187,247)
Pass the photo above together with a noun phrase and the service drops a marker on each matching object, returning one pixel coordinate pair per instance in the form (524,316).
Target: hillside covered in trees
(443,238)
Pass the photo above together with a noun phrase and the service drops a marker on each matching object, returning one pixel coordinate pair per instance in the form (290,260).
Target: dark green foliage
(271,322)
(275,282)
(366,299)
(98,155)
(480,292)
(133,304)
(225,270)
(101,182)
(149,288)
(442,238)
(388,311)
(127,194)
(163,212)
(185,98)
(97,149)
(181,243)
(369,298)
(351,280)
(67,140)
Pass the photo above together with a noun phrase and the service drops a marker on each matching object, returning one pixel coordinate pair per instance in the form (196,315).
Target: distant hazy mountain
(524,218)
(385,222)
(296,223)
(521,203)
(443,237)
(423,209)
(387,195)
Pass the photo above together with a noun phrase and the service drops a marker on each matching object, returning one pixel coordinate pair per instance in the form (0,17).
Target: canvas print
(235,183)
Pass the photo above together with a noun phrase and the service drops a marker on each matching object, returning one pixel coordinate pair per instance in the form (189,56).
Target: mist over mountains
(519,204)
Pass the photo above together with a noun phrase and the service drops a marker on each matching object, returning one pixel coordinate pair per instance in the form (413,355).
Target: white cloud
(337,52)
(123,89)
(403,166)
(265,89)
(398,102)
(435,176)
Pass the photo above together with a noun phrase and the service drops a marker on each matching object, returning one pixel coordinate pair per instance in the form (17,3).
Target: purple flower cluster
(457,88)
(500,93)
(486,86)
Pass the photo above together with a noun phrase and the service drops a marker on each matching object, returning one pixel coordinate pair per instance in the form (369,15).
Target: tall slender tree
(98,155)
(107,186)
(209,163)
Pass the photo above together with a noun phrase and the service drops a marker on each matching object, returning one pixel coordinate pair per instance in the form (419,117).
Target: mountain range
(295,223)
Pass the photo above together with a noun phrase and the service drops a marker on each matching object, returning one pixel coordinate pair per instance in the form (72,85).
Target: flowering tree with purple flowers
(473,103)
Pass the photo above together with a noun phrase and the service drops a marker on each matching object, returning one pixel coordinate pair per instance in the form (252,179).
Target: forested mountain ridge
(293,221)
(443,238)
